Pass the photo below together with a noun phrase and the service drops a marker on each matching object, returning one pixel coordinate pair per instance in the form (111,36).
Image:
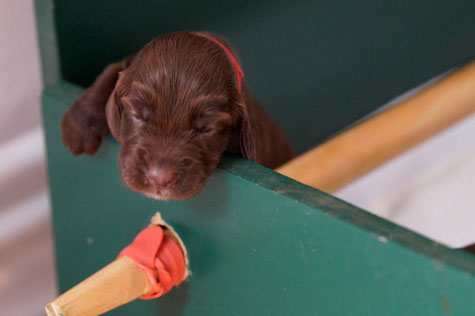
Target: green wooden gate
(260,243)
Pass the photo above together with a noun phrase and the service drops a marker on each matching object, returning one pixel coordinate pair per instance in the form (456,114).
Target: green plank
(47,41)
(259,243)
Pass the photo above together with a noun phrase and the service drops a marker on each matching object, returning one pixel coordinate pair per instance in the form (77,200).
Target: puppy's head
(175,110)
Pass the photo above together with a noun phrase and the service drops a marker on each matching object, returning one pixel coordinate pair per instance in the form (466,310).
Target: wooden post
(373,142)
(120,282)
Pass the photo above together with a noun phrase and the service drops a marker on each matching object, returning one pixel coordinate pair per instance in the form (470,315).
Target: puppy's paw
(82,131)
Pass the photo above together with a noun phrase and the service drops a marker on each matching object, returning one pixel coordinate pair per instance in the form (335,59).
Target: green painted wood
(259,243)
(330,62)
(44,10)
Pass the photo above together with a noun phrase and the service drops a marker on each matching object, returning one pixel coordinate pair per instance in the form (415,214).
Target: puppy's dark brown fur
(175,109)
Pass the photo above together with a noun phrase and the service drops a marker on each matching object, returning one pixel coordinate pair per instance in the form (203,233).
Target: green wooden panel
(259,243)
(318,66)
(44,10)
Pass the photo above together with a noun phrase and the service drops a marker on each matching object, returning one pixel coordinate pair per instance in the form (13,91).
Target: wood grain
(118,283)
(384,136)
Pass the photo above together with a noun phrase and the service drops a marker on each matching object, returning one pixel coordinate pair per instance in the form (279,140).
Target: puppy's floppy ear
(114,110)
(246,137)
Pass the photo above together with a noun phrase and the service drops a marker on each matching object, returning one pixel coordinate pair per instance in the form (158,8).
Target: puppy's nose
(160,176)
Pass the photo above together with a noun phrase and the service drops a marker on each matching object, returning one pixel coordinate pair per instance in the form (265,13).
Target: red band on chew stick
(237,69)
(160,257)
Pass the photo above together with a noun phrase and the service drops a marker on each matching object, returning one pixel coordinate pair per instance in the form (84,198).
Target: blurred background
(429,189)
(27,277)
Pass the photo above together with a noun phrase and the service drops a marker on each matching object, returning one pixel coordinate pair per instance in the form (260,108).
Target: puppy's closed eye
(185,163)
(142,116)
(145,114)
(212,123)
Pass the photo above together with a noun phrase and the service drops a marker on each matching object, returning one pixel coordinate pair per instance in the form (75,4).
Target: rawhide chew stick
(148,268)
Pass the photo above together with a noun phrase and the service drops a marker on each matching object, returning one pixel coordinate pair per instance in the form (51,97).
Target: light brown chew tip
(120,282)
(360,149)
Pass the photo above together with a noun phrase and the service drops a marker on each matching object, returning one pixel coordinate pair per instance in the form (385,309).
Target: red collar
(237,69)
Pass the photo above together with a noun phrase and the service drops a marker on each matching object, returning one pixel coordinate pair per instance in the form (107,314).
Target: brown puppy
(175,107)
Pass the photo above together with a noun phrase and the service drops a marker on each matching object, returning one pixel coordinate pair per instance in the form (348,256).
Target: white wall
(27,279)
(20,70)
(430,189)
